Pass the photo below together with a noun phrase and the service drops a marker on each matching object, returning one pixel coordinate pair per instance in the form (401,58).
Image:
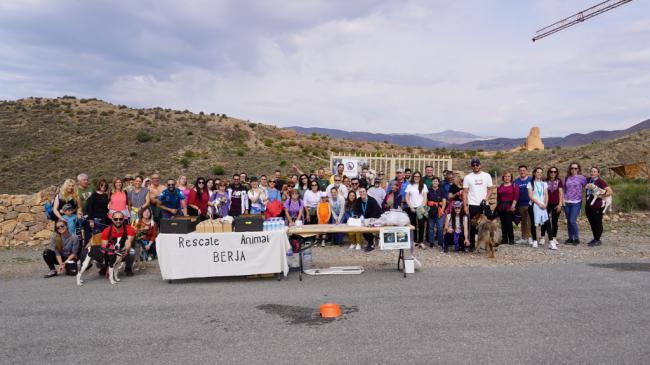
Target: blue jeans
(572,211)
(438,222)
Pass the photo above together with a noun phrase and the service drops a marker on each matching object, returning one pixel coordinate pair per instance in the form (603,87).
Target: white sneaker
(521,241)
(358,248)
(530,241)
(552,245)
(534,244)
(542,241)
(351,246)
(322,244)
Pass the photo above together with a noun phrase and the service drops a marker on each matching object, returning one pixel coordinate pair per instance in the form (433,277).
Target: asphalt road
(553,314)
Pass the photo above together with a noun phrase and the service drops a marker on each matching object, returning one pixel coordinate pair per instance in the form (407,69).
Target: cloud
(382,66)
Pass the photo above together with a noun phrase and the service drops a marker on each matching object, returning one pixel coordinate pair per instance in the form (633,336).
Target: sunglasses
(574,168)
(337,180)
(553,171)
(272,182)
(118,219)
(170,185)
(59,227)
(201,182)
(476,164)
(355,183)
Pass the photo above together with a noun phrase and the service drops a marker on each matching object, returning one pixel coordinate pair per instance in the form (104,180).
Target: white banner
(394,238)
(351,168)
(199,255)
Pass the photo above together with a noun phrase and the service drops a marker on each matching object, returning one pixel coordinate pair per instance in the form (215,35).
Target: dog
(600,193)
(487,234)
(96,255)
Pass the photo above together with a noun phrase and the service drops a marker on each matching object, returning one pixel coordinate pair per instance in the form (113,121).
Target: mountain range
(466,141)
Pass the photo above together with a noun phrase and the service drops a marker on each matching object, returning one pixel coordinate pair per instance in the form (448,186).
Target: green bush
(218,170)
(268,142)
(185,162)
(143,137)
(189,154)
(283,163)
(631,195)
(240,153)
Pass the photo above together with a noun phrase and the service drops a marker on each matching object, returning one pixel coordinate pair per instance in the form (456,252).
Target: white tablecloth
(198,255)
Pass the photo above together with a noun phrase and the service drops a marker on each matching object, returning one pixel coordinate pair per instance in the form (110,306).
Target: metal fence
(389,164)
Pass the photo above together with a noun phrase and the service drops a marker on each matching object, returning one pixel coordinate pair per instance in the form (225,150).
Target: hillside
(399,139)
(47,140)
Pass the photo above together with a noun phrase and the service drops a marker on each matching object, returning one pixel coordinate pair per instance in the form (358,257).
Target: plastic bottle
(306,259)
(265,226)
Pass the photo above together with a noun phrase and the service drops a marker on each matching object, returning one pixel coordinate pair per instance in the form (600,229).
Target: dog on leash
(487,234)
(99,256)
(600,193)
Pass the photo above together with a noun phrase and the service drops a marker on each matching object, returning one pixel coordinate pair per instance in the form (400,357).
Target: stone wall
(22,219)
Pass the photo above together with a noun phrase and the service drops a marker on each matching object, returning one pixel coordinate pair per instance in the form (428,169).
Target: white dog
(96,255)
(600,193)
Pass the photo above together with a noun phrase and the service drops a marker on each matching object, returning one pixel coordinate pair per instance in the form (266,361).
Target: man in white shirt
(343,190)
(477,186)
(377,192)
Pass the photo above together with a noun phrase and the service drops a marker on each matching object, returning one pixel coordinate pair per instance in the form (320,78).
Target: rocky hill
(48,140)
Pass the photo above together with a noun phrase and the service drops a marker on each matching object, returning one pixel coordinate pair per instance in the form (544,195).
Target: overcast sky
(381,66)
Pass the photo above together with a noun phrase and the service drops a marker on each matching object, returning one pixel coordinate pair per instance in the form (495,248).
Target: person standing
(507,197)
(118,201)
(555,198)
(323,181)
(402,183)
(197,202)
(574,183)
(477,187)
(538,193)
(416,200)
(524,208)
(392,200)
(594,205)
(171,201)
(377,192)
(310,202)
(220,201)
(67,195)
(84,191)
(138,199)
(436,201)
(337,205)
(340,188)
(257,197)
(428,176)
(155,189)
(367,207)
(340,168)
(238,197)
(97,207)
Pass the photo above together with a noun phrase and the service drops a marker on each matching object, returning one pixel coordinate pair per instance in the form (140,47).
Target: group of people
(127,213)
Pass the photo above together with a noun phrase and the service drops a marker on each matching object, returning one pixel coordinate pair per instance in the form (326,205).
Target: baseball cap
(66,207)
(475,160)
(458,204)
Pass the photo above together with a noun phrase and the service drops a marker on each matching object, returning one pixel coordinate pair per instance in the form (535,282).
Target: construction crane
(578,18)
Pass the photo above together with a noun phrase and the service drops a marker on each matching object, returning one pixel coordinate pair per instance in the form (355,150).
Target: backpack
(49,209)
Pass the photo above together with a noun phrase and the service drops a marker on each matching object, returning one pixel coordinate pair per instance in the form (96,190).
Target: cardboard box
(226,226)
(216,226)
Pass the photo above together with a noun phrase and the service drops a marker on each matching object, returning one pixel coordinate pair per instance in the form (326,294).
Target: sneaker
(530,241)
(521,241)
(351,246)
(569,241)
(322,244)
(542,241)
(552,245)
(595,243)
(50,274)
(368,248)
(575,242)
(358,247)
(534,244)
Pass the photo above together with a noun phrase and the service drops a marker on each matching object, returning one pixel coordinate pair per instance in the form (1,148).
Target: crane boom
(578,17)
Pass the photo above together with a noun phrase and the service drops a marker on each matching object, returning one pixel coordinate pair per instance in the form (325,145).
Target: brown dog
(487,231)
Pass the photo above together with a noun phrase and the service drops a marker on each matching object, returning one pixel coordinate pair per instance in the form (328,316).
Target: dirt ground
(626,236)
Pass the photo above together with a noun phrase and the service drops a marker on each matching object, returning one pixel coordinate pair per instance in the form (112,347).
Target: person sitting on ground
(310,201)
(68,195)
(118,238)
(293,208)
(220,201)
(62,253)
(456,228)
(257,197)
(393,199)
(118,200)
(377,192)
(367,207)
(197,203)
(171,201)
(145,236)
(138,198)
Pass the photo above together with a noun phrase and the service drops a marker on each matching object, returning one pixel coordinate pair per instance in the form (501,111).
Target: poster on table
(199,255)
(394,238)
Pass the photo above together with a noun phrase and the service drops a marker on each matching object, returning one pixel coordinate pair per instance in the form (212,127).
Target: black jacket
(372,208)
